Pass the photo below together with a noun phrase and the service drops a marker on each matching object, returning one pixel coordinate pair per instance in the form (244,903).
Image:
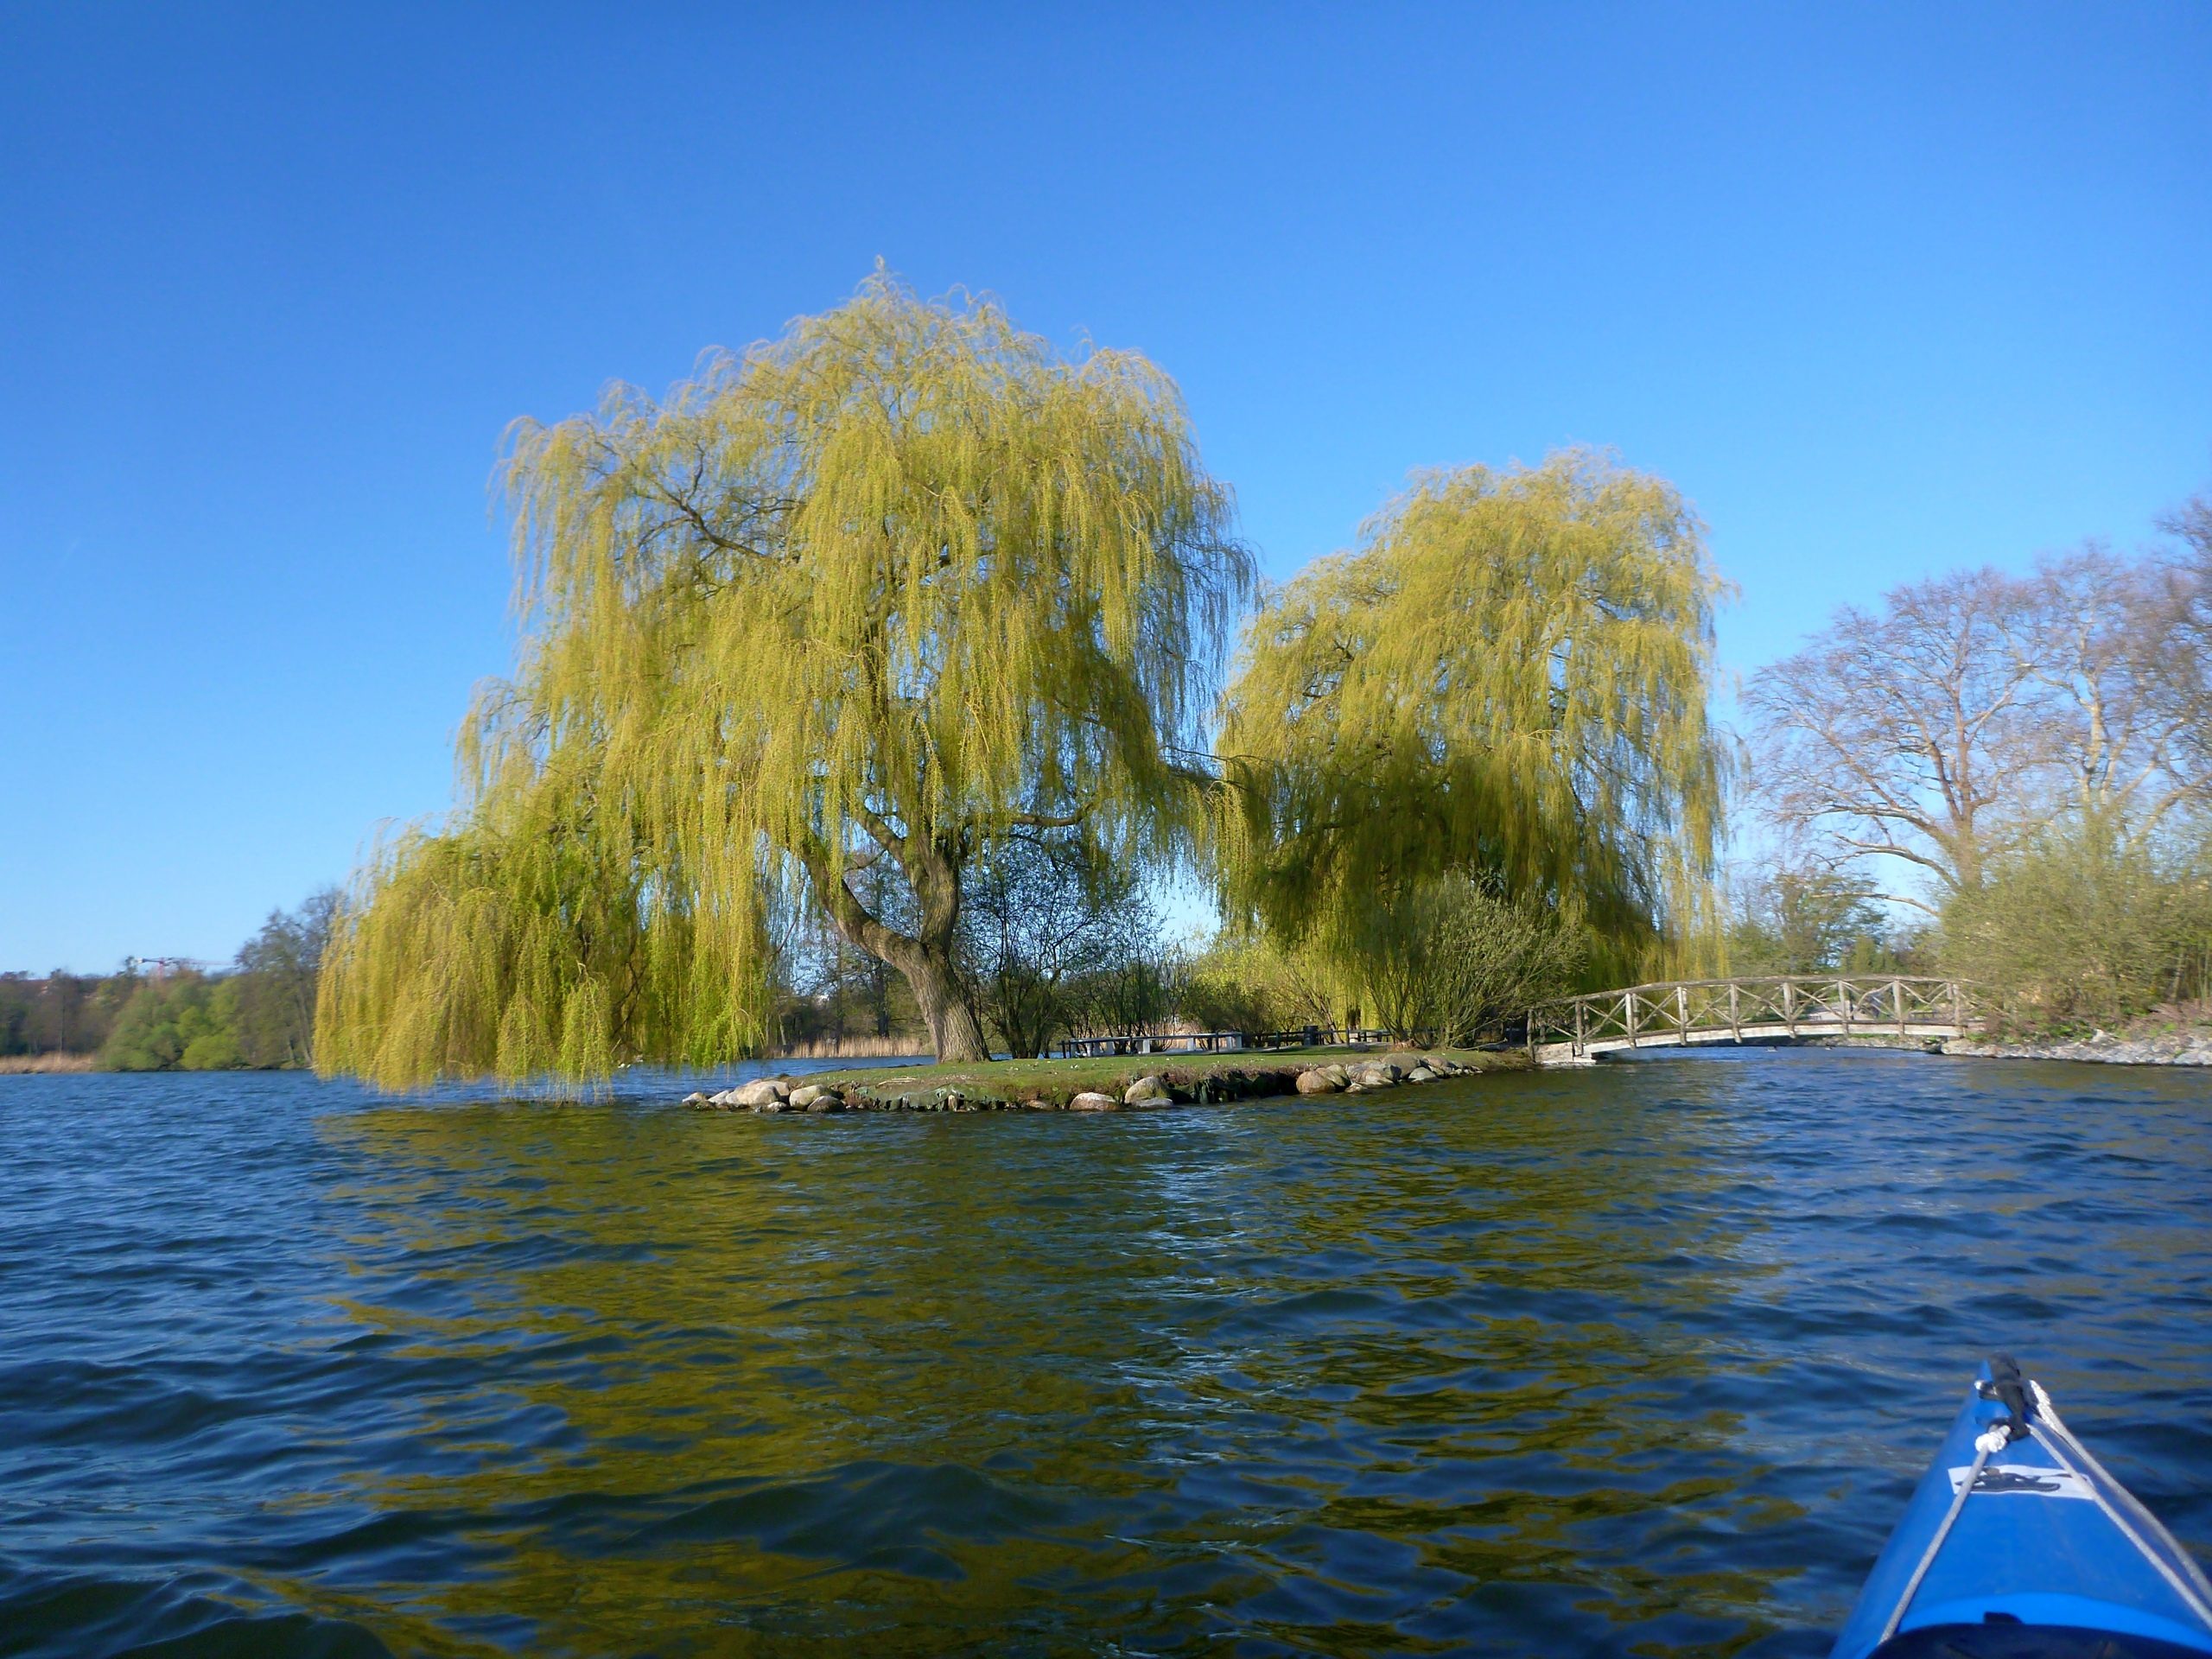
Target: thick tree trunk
(924,957)
(954,1031)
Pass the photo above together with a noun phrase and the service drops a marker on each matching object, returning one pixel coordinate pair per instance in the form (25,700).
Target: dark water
(1642,1360)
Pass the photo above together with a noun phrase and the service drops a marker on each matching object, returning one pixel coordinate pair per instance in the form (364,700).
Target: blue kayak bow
(2019,1545)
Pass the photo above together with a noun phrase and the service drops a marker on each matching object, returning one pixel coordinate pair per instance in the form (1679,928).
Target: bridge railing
(1671,1012)
(1116,1044)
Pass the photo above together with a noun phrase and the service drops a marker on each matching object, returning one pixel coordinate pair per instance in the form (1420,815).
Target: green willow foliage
(878,591)
(1507,678)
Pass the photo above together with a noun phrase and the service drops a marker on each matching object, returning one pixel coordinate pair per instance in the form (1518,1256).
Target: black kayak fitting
(2011,1389)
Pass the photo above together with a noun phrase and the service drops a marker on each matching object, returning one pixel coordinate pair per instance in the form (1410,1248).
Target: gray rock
(824,1101)
(1092,1101)
(1145,1090)
(760,1092)
(806,1094)
(696,1100)
(1319,1082)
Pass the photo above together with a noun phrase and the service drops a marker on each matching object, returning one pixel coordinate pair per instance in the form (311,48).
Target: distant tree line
(2006,776)
(259,1012)
(62,1013)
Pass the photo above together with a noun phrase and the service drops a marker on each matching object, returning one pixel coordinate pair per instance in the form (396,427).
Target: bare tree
(1901,735)
(1043,916)
(2186,671)
(2104,640)
(1976,707)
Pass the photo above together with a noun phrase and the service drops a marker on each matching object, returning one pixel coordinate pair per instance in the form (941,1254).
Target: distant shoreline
(2177,1048)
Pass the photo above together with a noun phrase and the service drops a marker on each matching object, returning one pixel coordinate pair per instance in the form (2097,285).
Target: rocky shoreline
(2185,1047)
(2167,1048)
(2192,1047)
(1168,1087)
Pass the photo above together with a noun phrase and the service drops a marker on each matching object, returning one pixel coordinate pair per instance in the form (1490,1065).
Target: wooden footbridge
(1776,1008)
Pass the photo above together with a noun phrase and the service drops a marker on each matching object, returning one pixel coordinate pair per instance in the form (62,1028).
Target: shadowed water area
(1638,1360)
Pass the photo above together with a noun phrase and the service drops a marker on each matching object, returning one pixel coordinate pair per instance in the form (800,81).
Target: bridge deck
(1807,1031)
(1767,1008)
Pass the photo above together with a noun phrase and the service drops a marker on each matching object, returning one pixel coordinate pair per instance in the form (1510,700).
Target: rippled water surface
(1638,1360)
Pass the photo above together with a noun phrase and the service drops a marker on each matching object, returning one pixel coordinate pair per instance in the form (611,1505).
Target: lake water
(1637,1360)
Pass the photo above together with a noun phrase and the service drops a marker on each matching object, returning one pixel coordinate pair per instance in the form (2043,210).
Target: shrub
(211,1050)
(2082,925)
(1459,957)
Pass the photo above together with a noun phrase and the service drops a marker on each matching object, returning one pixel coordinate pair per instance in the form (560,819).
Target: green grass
(1244,1072)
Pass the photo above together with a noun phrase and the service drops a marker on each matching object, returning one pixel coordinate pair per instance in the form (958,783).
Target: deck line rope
(1990,1441)
(2195,1592)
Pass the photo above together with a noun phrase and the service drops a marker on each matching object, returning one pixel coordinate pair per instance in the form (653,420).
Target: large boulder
(1146,1091)
(1092,1101)
(758,1094)
(806,1094)
(1319,1082)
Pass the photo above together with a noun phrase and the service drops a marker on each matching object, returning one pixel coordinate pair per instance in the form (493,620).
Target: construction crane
(163,966)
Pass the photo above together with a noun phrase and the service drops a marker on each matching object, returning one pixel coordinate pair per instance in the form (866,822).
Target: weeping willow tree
(1507,680)
(859,603)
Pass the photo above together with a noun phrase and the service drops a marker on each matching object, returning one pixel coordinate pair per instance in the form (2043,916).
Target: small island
(1105,1085)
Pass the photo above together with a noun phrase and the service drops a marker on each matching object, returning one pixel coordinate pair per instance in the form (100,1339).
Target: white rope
(2197,1595)
(1985,1446)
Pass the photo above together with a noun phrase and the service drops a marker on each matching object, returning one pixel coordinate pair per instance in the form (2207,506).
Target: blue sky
(1885,289)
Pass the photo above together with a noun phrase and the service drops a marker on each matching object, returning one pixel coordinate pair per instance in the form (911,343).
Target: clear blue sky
(1885,289)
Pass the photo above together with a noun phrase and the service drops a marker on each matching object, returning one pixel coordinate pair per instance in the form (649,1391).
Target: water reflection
(1336,1379)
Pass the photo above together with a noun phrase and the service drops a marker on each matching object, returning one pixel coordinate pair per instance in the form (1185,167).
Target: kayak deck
(2044,1557)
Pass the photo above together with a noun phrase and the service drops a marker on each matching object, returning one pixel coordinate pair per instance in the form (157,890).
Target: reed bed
(854,1048)
(26,1064)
